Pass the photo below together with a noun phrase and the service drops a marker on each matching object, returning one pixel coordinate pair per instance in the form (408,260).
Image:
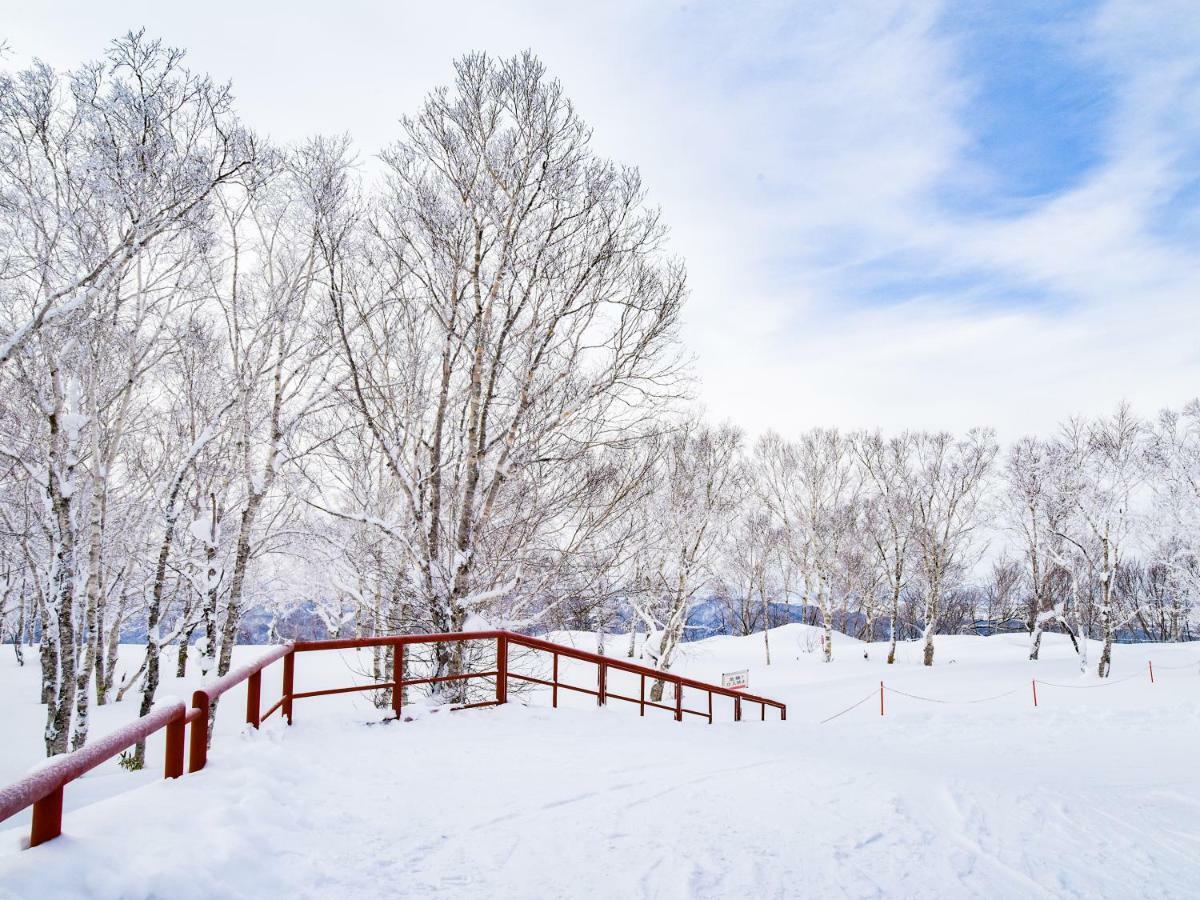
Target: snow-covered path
(1083,797)
(532,803)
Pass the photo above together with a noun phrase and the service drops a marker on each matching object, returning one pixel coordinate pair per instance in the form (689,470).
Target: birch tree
(699,487)
(812,491)
(946,484)
(517,310)
(1106,468)
(98,164)
(885,467)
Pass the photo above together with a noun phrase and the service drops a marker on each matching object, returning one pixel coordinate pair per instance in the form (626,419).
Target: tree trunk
(1035,642)
(154,614)
(91,640)
(48,653)
(895,613)
(60,487)
(185,640)
(104,690)
(932,609)
(766,608)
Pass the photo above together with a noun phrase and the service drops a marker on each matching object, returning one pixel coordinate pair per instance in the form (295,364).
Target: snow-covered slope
(1094,793)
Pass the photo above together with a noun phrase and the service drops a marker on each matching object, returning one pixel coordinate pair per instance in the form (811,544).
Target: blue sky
(1038,102)
(895,214)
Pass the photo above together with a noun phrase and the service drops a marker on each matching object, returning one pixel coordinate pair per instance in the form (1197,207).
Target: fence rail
(43,788)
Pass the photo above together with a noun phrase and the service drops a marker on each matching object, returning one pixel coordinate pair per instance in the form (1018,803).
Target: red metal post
(1034,683)
(762,710)
(173,766)
(737,709)
(602,684)
(1150,663)
(47,818)
(678,701)
(710,707)
(198,745)
(502,669)
(881,698)
(398,680)
(783,714)
(554,691)
(642,698)
(254,699)
(289,684)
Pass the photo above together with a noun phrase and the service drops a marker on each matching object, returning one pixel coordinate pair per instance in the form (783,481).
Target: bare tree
(515,312)
(1037,510)
(946,485)
(1106,467)
(99,164)
(885,466)
(700,482)
(811,490)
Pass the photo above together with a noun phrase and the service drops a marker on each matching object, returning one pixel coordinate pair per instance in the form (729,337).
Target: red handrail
(43,788)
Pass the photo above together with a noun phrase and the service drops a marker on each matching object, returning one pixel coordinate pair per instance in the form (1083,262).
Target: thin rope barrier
(937,700)
(1086,687)
(869,696)
(1190,665)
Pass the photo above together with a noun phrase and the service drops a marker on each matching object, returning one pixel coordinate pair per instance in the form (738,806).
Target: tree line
(447,387)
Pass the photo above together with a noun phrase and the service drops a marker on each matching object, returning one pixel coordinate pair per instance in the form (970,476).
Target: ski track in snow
(1093,794)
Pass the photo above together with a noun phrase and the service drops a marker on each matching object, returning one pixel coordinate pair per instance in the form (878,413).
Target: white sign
(736,680)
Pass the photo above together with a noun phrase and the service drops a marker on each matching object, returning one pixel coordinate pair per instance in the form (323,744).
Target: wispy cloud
(895,213)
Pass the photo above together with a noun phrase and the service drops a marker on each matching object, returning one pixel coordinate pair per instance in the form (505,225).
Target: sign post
(736,681)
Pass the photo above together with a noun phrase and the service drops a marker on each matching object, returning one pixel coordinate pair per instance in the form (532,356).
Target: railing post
(289,684)
(173,765)
(737,709)
(554,678)
(642,698)
(783,713)
(502,669)
(602,683)
(198,745)
(398,680)
(762,709)
(678,701)
(1034,683)
(47,818)
(254,699)
(710,707)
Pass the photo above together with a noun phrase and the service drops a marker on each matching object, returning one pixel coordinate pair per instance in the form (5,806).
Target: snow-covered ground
(1094,793)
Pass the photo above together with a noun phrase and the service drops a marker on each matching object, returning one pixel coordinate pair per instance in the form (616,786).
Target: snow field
(1095,793)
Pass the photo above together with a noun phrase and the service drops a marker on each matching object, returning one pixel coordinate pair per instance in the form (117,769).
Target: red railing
(43,789)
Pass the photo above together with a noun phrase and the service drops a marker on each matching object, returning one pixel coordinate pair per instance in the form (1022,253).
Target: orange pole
(198,744)
(502,669)
(254,699)
(289,684)
(398,681)
(173,766)
(47,818)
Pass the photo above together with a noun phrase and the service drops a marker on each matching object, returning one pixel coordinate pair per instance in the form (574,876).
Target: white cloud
(789,144)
